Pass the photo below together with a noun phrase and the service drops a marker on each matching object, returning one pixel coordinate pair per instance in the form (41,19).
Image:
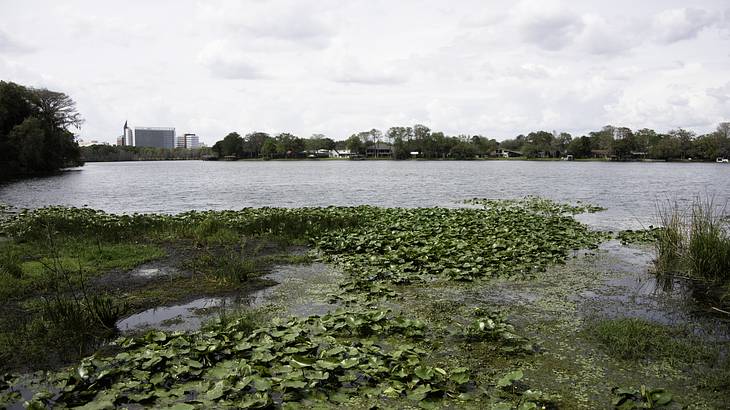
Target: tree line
(34,131)
(108,153)
(620,143)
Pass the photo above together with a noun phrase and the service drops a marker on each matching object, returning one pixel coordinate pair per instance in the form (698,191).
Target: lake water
(630,191)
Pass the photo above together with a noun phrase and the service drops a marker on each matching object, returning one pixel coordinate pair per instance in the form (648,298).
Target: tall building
(159,137)
(127,137)
(189,141)
(192,141)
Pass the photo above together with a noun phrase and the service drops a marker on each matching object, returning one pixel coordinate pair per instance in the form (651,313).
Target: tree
(580,147)
(463,150)
(355,144)
(289,144)
(684,140)
(232,145)
(255,141)
(34,135)
(58,109)
(268,149)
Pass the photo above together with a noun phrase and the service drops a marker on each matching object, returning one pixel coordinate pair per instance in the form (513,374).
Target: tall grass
(694,243)
(709,244)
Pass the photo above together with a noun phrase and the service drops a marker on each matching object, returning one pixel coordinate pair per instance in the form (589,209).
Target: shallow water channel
(300,290)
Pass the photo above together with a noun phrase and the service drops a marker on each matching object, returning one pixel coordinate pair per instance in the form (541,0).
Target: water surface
(630,191)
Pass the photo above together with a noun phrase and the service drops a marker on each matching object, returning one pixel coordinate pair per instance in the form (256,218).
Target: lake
(630,191)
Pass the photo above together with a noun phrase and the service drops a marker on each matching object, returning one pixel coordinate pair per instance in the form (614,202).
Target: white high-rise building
(189,141)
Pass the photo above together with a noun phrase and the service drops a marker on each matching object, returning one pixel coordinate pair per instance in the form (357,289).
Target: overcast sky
(495,68)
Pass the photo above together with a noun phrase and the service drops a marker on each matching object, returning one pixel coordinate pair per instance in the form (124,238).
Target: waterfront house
(379,150)
(343,153)
(506,153)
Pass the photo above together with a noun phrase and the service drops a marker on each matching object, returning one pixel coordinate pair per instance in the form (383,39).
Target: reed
(695,243)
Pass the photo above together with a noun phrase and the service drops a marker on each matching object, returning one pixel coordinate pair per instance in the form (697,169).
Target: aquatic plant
(537,204)
(407,245)
(640,236)
(639,339)
(695,242)
(643,398)
(328,359)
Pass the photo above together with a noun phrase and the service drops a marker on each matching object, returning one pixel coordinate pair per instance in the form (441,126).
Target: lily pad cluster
(649,235)
(538,205)
(327,360)
(493,327)
(407,245)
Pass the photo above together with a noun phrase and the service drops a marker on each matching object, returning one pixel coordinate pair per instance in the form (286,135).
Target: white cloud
(10,44)
(224,60)
(674,25)
(270,24)
(549,29)
(607,35)
(352,70)
(721,93)
(497,68)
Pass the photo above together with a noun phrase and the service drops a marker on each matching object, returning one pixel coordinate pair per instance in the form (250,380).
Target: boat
(720,160)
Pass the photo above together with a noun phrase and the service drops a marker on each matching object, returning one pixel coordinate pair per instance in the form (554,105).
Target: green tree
(463,150)
(580,147)
(268,149)
(232,145)
(355,144)
(288,144)
(34,134)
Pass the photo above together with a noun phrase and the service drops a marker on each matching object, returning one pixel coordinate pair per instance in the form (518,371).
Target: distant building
(158,137)
(120,140)
(127,136)
(507,153)
(343,153)
(189,141)
(379,149)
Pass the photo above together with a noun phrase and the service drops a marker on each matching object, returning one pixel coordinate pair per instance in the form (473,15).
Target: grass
(695,243)
(638,339)
(24,266)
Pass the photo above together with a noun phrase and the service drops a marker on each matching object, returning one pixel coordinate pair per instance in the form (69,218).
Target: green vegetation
(337,359)
(644,398)
(638,339)
(27,268)
(696,243)
(641,236)
(34,135)
(107,153)
(422,318)
(537,205)
(617,143)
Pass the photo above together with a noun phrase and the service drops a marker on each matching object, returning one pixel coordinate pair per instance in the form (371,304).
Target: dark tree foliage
(419,141)
(34,131)
(112,153)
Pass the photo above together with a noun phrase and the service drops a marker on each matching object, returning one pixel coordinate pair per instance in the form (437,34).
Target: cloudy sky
(495,68)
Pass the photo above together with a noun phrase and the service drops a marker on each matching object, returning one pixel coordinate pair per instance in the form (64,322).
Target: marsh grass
(695,243)
(24,266)
(638,339)
(66,319)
